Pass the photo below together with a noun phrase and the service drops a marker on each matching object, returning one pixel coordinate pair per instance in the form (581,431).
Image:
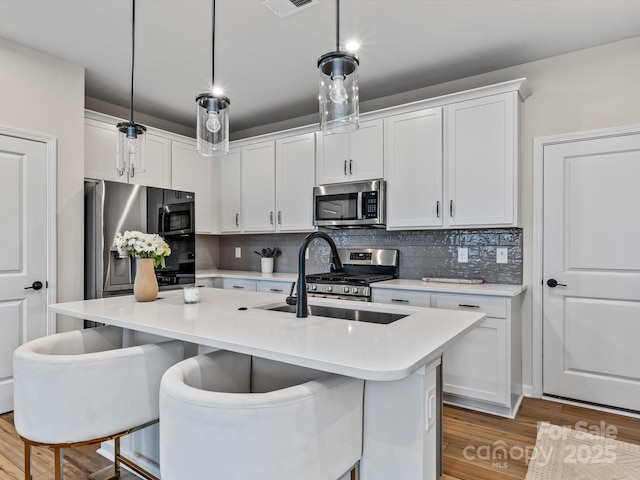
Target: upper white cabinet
(259,187)
(413,151)
(229,188)
(295,179)
(100,149)
(193,172)
(481,155)
(351,157)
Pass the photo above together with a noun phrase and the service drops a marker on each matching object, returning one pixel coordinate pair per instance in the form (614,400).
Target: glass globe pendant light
(339,109)
(131,139)
(212,129)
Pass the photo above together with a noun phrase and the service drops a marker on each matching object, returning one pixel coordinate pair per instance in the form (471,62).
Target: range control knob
(329,288)
(313,287)
(346,290)
(354,290)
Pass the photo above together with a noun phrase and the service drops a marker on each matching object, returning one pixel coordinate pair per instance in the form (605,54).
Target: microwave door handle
(164,222)
(359,208)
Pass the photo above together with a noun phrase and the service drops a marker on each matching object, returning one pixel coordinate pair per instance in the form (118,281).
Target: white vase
(145,286)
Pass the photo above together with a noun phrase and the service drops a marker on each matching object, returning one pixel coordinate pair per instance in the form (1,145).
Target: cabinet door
(100,150)
(295,179)
(239,284)
(158,170)
(366,156)
(229,186)
(193,172)
(413,143)
(482,161)
(270,286)
(333,158)
(258,187)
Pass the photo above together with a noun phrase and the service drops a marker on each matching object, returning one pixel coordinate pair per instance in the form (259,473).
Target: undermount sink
(344,313)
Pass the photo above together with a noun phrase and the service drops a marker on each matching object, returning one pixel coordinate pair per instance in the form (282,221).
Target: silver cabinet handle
(345,167)
(275,290)
(401,300)
(271,218)
(237,219)
(464,305)
(350,167)
(451,208)
(438,209)
(279,217)
(238,286)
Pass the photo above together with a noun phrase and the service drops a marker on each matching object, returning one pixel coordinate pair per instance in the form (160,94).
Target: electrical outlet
(306,254)
(502,255)
(463,255)
(238,252)
(431,409)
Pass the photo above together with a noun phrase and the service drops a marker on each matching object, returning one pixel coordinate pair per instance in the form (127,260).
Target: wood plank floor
(469,438)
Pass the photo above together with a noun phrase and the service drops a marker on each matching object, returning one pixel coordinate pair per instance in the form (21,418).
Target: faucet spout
(301,286)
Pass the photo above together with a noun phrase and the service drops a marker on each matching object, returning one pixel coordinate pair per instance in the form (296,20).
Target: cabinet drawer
(239,284)
(274,287)
(493,306)
(402,297)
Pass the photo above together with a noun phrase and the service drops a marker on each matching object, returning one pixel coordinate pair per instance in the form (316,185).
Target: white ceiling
(267,64)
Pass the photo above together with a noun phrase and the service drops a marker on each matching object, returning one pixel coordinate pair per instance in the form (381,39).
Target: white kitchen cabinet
(100,150)
(295,179)
(239,284)
(193,172)
(351,157)
(258,187)
(413,155)
(483,370)
(230,193)
(271,286)
(412,298)
(481,155)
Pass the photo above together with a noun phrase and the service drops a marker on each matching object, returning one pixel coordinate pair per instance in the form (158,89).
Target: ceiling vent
(284,8)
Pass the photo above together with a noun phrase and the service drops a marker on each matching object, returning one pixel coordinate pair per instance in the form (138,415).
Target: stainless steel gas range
(361,268)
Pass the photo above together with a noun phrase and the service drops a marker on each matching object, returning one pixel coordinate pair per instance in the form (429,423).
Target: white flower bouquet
(143,245)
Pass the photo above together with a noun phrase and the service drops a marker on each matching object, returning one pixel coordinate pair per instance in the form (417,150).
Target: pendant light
(339,109)
(212,128)
(131,138)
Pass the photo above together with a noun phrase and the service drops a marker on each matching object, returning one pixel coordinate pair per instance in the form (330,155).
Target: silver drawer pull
(399,300)
(463,305)
(238,286)
(275,290)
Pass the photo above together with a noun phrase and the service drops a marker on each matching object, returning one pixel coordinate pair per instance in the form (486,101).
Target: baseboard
(527,390)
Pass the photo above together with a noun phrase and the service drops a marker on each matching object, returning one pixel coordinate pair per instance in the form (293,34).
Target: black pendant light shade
(339,105)
(212,129)
(131,136)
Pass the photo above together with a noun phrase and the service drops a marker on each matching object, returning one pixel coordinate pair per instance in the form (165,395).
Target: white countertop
(357,349)
(497,289)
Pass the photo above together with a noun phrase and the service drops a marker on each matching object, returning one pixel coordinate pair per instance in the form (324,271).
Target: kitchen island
(399,361)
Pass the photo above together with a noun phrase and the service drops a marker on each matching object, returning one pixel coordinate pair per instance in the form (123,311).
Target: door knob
(553,283)
(35,285)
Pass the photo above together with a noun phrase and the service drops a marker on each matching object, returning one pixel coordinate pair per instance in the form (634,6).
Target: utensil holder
(266,265)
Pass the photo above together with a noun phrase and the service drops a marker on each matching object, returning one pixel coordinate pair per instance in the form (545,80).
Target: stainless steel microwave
(344,205)
(176,219)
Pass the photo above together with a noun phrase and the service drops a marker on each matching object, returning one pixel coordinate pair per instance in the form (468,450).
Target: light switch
(502,255)
(431,407)
(238,252)
(463,255)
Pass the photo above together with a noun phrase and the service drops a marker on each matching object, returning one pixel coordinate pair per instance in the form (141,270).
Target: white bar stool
(81,387)
(235,417)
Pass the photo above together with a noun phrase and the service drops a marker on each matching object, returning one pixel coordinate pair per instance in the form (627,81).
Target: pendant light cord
(337,25)
(133,51)
(213,43)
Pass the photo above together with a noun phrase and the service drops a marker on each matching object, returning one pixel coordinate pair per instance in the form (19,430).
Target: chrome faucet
(301,304)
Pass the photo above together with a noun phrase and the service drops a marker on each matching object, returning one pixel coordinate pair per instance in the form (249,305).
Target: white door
(23,252)
(229,185)
(591,227)
(258,187)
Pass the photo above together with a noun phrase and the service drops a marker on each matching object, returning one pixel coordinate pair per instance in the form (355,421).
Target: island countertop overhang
(233,321)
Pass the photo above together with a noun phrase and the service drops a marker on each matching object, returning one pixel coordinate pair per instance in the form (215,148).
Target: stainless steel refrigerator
(112,207)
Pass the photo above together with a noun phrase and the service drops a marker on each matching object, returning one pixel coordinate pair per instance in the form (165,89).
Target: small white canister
(266,265)
(191,294)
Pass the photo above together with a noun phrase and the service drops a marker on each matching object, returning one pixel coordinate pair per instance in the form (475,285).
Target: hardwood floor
(470,439)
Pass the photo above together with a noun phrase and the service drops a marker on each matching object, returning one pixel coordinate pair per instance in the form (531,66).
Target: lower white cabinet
(483,370)
(270,286)
(239,284)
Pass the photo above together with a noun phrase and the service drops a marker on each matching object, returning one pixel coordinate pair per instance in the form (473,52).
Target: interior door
(591,270)
(23,252)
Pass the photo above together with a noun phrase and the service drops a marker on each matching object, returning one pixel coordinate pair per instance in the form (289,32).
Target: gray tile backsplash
(422,253)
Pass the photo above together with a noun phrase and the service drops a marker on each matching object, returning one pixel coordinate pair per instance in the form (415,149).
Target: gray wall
(422,253)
